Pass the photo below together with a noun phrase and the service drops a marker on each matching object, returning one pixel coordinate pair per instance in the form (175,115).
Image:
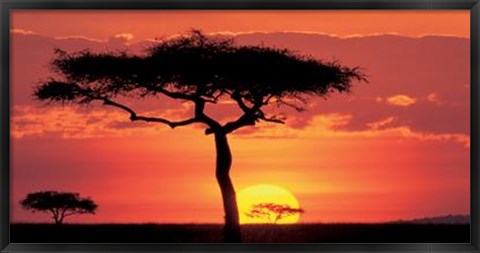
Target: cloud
(458,138)
(22,32)
(328,125)
(413,99)
(120,41)
(432,97)
(347,36)
(120,38)
(399,100)
(331,121)
(381,124)
(79,37)
(71,123)
(123,36)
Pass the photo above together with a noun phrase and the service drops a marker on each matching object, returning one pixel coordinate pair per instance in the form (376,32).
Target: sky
(396,147)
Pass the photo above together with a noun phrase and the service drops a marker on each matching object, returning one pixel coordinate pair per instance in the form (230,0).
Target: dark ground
(198,233)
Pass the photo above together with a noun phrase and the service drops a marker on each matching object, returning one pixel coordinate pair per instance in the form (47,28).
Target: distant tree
(203,71)
(272,212)
(59,204)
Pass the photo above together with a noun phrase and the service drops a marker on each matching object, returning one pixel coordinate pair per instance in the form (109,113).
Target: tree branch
(107,101)
(62,215)
(174,124)
(235,96)
(73,213)
(249,117)
(292,105)
(53,213)
(273,119)
(200,116)
(267,100)
(176,95)
(213,125)
(135,117)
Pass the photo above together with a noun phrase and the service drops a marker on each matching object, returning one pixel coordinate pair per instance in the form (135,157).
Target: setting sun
(265,193)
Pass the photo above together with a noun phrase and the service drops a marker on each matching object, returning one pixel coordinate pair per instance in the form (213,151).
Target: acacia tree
(201,70)
(272,212)
(59,204)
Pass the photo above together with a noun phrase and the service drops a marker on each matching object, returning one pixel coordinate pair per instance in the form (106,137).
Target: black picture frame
(7,5)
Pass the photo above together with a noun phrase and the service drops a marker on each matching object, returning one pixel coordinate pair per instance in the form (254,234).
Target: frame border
(472,5)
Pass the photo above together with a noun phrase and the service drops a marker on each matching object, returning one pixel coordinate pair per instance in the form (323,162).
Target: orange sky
(396,148)
(152,24)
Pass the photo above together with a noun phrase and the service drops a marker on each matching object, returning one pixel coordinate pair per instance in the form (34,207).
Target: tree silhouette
(60,204)
(201,70)
(272,212)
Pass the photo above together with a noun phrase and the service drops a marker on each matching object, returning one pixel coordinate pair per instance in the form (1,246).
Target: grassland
(212,233)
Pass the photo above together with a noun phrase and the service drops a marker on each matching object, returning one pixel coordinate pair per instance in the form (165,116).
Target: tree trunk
(58,221)
(56,217)
(231,230)
(61,220)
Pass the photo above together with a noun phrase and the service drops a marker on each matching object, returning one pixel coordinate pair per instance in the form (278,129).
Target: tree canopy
(272,212)
(60,204)
(201,69)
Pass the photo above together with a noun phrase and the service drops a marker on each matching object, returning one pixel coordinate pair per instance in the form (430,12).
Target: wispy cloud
(382,123)
(73,123)
(125,36)
(79,37)
(398,100)
(329,125)
(22,32)
(359,112)
(348,36)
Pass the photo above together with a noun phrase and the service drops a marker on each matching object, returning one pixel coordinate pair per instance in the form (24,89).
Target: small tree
(59,204)
(272,212)
(203,71)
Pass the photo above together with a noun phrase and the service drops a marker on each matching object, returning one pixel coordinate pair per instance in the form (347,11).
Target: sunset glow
(265,193)
(397,147)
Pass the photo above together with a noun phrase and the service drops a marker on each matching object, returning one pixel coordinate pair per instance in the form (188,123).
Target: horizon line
(399,220)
